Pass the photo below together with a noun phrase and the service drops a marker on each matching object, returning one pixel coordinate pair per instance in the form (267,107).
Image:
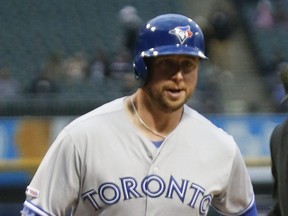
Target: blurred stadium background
(60,59)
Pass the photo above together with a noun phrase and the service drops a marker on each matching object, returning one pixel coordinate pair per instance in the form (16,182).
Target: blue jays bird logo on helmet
(182,32)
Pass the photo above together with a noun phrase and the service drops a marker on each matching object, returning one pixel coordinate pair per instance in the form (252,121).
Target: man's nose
(178,74)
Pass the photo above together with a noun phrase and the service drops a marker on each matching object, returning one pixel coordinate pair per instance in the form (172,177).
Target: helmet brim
(174,50)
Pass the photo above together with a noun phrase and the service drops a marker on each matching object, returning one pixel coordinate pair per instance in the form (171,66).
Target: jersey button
(156,169)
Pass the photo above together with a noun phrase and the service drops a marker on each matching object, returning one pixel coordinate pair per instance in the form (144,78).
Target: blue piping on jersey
(32,210)
(251,210)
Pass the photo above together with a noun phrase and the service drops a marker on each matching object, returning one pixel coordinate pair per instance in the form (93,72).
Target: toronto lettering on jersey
(128,188)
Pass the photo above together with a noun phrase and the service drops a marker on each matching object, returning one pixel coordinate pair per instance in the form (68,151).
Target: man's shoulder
(284,129)
(202,121)
(285,125)
(277,135)
(109,107)
(281,128)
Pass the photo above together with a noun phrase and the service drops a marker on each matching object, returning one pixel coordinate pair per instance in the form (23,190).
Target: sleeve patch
(32,192)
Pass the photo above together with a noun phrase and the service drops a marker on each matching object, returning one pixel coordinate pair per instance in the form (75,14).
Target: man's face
(172,80)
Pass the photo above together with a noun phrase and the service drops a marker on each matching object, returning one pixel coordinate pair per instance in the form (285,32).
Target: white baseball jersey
(100,164)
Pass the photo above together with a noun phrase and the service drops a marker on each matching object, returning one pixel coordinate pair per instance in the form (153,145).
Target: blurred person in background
(75,68)
(99,67)
(121,71)
(131,23)
(279,158)
(121,65)
(43,83)
(8,85)
(264,14)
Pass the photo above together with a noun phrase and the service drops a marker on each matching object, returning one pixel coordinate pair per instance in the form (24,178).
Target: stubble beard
(165,104)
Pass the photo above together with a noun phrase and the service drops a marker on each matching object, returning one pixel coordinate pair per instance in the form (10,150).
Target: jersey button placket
(150,155)
(154,186)
(155,169)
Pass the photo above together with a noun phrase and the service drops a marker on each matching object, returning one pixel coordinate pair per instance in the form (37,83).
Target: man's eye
(187,63)
(165,62)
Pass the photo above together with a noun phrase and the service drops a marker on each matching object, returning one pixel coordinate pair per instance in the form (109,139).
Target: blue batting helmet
(167,34)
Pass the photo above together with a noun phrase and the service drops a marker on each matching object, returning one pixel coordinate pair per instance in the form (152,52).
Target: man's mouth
(173,90)
(174,93)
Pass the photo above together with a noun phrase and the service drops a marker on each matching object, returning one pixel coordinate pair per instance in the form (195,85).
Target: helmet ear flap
(140,69)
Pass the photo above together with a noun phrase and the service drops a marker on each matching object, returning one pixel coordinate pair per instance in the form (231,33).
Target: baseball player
(147,153)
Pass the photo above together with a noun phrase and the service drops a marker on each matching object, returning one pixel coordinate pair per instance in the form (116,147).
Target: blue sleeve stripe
(35,209)
(251,210)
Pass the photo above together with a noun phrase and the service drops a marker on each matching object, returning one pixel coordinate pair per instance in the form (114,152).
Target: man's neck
(149,117)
